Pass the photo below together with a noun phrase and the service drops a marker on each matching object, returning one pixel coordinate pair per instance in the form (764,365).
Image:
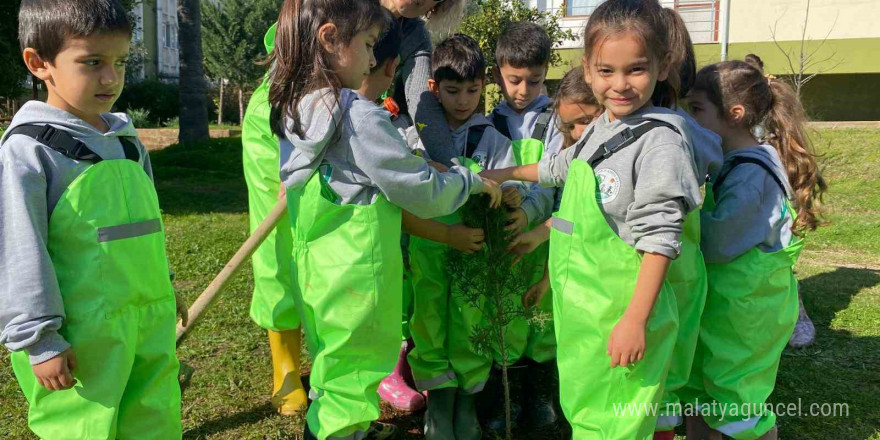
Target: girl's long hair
(776,113)
(645,19)
(299,64)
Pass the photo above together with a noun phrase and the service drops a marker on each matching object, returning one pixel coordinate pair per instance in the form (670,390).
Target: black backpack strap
(58,140)
(542,123)
(582,142)
(739,160)
(130,149)
(625,138)
(474,136)
(500,123)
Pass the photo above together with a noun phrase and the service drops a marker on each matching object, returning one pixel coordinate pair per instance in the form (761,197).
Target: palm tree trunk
(193,99)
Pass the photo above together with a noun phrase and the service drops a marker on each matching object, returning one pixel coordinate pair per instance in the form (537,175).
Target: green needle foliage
(490,282)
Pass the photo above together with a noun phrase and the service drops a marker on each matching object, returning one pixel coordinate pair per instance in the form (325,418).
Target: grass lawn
(203,196)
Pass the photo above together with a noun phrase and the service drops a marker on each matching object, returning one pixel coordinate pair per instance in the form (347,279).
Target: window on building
(700,16)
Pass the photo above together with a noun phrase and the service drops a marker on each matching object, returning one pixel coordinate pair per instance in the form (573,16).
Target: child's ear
(35,64)
(434,87)
(327,37)
(391,67)
(737,114)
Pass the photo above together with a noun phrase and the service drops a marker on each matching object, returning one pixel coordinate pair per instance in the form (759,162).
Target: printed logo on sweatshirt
(609,185)
(481,159)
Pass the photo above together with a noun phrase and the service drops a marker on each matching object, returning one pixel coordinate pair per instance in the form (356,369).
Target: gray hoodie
(707,152)
(539,203)
(648,187)
(750,208)
(367,157)
(32,180)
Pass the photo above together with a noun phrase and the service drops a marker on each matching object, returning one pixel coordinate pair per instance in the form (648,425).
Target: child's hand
(494,190)
(626,345)
(536,293)
(511,196)
(516,221)
(464,239)
(438,166)
(56,374)
(526,243)
(282,193)
(182,310)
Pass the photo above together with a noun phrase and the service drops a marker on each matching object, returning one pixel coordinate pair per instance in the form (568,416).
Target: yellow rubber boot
(288,395)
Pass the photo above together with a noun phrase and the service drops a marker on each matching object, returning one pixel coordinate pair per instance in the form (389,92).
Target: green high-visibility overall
(347,282)
(522,338)
(442,322)
(593,274)
(687,276)
(272,304)
(107,246)
(751,310)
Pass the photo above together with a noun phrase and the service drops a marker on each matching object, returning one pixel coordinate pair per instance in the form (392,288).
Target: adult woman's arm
(422,106)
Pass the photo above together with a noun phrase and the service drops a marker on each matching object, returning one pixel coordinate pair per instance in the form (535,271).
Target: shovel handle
(241,256)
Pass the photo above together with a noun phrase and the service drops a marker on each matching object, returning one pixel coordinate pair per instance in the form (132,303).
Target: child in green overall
(347,173)
(86,304)
(526,116)
(756,212)
(629,184)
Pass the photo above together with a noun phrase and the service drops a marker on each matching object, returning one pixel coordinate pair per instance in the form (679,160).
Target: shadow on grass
(221,424)
(841,367)
(203,177)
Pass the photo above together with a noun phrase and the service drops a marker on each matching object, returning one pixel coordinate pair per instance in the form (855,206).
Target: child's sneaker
(804,331)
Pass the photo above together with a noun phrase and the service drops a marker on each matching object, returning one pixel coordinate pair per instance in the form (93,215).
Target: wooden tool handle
(244,253)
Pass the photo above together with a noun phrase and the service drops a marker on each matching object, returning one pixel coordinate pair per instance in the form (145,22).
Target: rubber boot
(498,420)
(466,423)
(697,429)
(541,395)
(396,389)
(440,414)
(288,395)
(664,435)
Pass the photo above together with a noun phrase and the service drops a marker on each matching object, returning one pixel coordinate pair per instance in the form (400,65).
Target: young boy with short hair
(526,116)
(443,362)
(86,302)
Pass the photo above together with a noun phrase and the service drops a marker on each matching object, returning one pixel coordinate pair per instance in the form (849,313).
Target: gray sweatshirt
(367,157)
(412,94)
(750,208)
(707,152)
(538,203)
(648,187)
(32,180)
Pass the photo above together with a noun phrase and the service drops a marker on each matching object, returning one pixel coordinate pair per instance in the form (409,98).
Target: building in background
(156,32)
(843,33)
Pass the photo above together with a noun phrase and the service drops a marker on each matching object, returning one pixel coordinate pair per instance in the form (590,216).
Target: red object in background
(391,106)
(664,435)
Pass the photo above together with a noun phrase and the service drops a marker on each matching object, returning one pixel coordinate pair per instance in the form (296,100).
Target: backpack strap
(623,139)
(64,143)
(474,136)
(500,123)
(542,123)
(739,160)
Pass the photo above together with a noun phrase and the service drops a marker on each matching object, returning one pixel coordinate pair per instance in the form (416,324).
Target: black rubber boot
(440,414)
(466,425)
(541,390)
(497,418)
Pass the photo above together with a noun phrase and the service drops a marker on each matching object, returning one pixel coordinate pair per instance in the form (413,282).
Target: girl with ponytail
(766,197)
(347,173)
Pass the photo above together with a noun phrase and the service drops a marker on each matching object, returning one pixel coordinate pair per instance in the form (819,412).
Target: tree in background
(233,43)
(193,99)
(485,20)
(12,70)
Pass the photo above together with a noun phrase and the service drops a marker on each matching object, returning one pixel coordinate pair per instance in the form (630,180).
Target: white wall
(166,33)
(752,20)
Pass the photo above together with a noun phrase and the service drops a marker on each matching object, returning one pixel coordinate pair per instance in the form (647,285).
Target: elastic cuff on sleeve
(49,345)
